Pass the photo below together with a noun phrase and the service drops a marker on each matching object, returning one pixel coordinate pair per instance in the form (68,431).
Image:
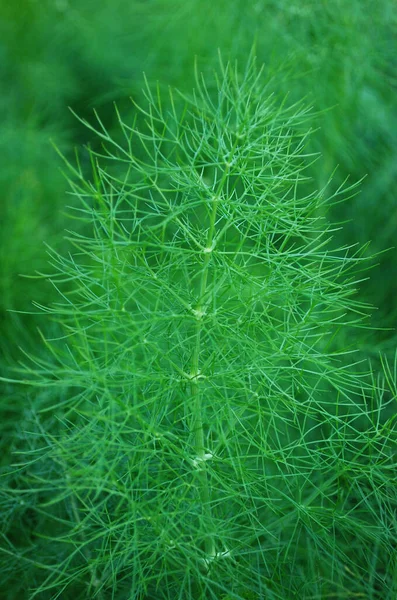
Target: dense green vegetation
(198,400)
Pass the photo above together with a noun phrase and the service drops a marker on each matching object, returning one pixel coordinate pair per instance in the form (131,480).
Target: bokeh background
(85,54)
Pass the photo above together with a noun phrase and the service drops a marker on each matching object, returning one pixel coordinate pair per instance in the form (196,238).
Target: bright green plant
(198,432)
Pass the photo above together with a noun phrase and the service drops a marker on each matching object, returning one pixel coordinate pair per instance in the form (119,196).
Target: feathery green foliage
(195,430)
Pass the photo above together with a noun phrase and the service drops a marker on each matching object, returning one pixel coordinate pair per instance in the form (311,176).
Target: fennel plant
(195,431)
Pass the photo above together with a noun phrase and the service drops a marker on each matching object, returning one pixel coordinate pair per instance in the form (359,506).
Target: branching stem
(198,409)
(198,425)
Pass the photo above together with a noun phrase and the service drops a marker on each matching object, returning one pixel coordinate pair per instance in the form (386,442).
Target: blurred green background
(84,54)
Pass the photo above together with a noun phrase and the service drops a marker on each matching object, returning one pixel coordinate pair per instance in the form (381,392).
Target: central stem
(198,425)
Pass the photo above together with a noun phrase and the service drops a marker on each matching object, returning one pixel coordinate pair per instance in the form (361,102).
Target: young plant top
(197,430)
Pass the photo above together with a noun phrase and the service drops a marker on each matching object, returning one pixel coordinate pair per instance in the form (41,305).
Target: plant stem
(198,426)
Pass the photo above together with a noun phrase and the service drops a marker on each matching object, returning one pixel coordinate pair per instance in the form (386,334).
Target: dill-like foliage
(198,432)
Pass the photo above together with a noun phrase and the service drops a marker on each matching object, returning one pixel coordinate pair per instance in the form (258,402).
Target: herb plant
(197,431)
